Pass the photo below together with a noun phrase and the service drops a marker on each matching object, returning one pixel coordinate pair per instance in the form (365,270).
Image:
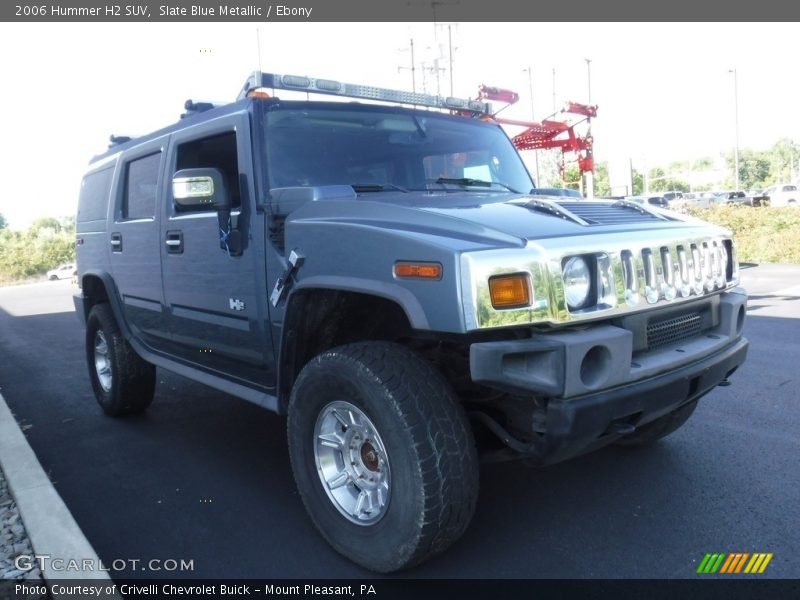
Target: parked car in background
(63,272)
(758,198)
(659,201)
(707,199)
(684,202)
(672,195)
(736,198)
(569,193)
(784,194)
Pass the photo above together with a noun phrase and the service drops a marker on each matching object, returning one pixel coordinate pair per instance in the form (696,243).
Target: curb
(51,528)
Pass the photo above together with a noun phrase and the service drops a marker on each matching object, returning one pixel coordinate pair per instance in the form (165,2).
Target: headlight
(577,282)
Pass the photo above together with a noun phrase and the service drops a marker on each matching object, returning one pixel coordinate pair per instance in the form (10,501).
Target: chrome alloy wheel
(352,463)
(102,361)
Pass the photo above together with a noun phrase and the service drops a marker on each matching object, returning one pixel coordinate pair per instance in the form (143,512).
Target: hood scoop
(619,212)
(553,209)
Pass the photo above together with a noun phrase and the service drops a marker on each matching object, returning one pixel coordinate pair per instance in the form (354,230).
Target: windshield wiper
(377,187)
(474,182)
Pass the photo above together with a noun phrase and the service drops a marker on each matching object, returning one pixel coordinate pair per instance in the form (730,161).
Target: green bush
(26,254)
(764,234)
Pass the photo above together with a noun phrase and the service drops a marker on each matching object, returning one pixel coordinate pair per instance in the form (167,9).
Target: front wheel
(382,455)
(123,383)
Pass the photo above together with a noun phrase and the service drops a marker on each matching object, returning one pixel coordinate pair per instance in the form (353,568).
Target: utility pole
(413,67)
(533,118)
(736,122)
(589,74)
(589,179)
(450,50)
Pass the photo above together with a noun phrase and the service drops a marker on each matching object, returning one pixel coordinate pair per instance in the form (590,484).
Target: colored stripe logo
(734,562)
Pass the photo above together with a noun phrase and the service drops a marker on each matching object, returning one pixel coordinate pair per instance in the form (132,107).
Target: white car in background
(784,194)
(66,271)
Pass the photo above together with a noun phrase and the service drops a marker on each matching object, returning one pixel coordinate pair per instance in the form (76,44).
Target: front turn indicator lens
(510,291)
(421,270)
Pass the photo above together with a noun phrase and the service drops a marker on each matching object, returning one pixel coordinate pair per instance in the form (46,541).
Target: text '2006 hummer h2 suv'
(381,275)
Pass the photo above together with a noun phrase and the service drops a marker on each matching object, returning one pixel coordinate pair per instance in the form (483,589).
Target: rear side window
(93,199)
(141,183)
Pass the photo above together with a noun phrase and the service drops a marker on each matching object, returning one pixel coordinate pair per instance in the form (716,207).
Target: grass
(7,280)
(764,234)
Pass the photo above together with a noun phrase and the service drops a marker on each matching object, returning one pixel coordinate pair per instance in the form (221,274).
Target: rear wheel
(123,383)
(661,427)
(382,455)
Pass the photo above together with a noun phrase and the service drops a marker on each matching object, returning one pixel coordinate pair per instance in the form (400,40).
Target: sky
(664,90)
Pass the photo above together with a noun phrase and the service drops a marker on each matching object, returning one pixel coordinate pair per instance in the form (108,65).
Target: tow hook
(621,429)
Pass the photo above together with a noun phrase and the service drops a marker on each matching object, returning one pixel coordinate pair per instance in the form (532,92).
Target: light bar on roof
(367,92)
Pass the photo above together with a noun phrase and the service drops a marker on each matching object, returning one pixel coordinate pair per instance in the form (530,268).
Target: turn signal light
(510,291)
(421,270)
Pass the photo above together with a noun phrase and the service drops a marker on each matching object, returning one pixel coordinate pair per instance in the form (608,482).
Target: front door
(216,298)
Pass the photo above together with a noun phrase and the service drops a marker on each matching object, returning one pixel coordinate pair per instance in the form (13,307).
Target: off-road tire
(661,427)
(132,380)
(429,447)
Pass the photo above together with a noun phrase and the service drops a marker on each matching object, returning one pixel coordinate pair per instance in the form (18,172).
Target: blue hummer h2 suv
(381,273)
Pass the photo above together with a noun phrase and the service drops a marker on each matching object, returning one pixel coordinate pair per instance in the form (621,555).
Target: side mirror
(201,188)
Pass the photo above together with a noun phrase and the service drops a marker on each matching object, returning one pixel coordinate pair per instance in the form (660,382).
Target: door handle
(174,242)
(116,242)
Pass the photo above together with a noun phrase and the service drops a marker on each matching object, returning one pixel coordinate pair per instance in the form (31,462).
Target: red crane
(549,133)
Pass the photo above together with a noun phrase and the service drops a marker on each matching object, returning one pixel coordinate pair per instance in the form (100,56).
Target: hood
(542,217)
(492,218)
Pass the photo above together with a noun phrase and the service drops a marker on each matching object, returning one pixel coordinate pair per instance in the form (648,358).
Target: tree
(784,157)
(753,169)
(660,181)
(3,222)
(602,183)
(67,224)
(39,225)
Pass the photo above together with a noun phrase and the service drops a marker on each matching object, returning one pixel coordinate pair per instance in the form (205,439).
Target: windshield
(377,149)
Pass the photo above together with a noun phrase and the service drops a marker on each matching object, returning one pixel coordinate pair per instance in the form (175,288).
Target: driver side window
(218,151)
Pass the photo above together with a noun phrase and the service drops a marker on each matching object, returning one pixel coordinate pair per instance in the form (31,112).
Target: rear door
(216,299)
(133,240)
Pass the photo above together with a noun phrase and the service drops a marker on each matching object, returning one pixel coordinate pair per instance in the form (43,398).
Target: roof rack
(116,140)
(336,88)
(192,107)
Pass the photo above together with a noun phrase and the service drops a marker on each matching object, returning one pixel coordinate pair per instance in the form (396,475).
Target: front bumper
(80,307)
(596,387)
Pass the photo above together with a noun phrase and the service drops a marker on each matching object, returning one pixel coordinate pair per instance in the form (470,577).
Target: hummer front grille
(627,276)
(675,271)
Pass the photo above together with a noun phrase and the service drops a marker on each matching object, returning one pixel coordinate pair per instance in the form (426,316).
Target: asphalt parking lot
(204,477)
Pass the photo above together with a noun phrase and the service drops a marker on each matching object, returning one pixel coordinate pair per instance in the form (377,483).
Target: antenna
(258,49)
